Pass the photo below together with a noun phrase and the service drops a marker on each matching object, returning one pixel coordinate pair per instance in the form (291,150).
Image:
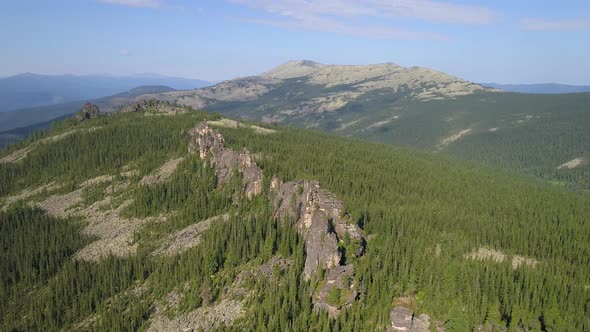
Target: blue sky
(516,41)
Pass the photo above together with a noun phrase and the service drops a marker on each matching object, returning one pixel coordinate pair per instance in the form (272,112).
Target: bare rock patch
(455,137)
(27,193)
(103,220)
(163,173)
(577,162)
(404,319)
(498,257)
(188,237)
(204,318)
(235,124)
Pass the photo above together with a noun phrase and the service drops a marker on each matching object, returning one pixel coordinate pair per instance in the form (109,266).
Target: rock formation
(153,106)
(338,290)
(331,236)
(403,319)
(210,144)
(88,111)
(329,232)
(320,218)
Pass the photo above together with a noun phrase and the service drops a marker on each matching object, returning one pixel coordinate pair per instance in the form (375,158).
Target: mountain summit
(310,90)
(295,68)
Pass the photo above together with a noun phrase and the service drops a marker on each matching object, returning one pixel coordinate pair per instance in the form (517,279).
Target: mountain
(33,90)
(19,124)
(415,107)
(165,218)
(539,88)
(303,88)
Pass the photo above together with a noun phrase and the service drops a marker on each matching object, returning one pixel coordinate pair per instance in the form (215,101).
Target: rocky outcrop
(152,105)
(337,291)
(330,237)
(88,111)
(210,144)
(273,265)
(329,232)
(403,319)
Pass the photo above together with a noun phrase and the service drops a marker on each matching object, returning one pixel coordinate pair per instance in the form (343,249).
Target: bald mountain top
(299,88)
(372,77)
(295,68)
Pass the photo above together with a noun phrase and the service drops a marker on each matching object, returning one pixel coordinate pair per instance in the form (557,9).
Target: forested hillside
(110,224)
(41,116)
(415,107)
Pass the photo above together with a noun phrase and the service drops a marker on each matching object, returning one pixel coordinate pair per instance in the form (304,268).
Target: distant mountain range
(33,90)
(19,124)
(550,88)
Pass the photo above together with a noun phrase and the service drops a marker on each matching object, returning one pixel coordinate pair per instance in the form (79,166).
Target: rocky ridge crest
(329,233)
(210,144)
(87,112)
(152,105)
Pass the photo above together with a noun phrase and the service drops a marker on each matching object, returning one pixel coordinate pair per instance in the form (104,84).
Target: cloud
(345,16)
(135,3)
(124,53)
(427,10)
(559,25)
(374,31)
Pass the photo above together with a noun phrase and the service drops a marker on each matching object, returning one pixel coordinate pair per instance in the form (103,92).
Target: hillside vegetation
(415,107)
(90,208)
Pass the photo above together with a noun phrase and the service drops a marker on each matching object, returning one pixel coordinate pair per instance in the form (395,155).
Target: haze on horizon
(481,41)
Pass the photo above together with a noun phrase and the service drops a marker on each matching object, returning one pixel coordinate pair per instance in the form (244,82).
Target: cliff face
(331,237)
(320,218)
(210,143)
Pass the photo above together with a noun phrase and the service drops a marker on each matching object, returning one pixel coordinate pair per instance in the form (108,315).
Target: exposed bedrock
(322,221)
(210,143)
(404,319)
(331,236)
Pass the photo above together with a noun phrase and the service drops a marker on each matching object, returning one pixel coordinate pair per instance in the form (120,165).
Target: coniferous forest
(424,217)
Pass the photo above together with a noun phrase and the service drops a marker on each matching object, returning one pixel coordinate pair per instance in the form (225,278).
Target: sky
(504,41)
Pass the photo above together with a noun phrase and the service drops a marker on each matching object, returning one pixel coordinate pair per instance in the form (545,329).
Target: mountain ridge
(541,88)
(34,90)
(416,107)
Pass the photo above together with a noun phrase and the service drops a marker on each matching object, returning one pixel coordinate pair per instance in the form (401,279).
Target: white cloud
(560,25)
(435,11)
(374,31)
(135,3)
(427,10)
(124,53)
(343,16)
